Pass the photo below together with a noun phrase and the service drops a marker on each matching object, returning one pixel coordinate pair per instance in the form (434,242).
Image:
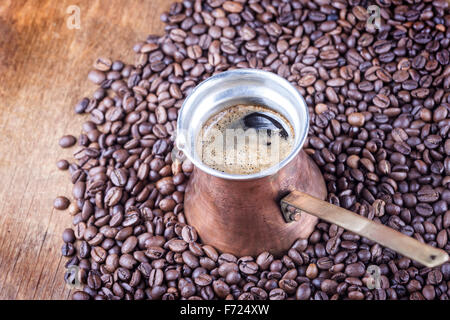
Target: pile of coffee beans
(379,101)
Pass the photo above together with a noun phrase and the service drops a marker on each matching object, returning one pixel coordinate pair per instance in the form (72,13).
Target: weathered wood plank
(43,68)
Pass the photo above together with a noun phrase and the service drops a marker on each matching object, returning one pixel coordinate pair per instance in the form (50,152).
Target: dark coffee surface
(379,104)
(244,139)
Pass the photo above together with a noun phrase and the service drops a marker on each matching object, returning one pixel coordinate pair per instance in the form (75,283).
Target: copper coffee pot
(268,211)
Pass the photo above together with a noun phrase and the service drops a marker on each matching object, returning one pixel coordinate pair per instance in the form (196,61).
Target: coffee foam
(223,145)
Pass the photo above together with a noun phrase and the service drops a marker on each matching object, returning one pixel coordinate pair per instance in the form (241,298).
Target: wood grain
(43,68)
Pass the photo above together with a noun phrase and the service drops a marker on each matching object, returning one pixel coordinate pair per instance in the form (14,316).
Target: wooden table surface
(43,69)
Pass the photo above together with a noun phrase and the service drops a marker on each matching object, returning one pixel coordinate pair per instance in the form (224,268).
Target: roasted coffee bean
(303,292)
(312,271)
(227,267)
(67,141)
(176,245)
(90,233)
(154,252)
(93,281)
(79,189)
(84,249)
(329,286)
(324,263)
(264,260)
(61,203)
(81,106)
(103,64)
(248,267)
(221,289)
(189,234)
(68,250)
(356,119)
(96,76)
(288,285)
(355,295)
(277,294)
(127,261)
(80,295)
(113,196)
(119,177)
(190,259)
(63,165)
(129,245)
(203,280)
(98,254)
(69,236)
(355,270)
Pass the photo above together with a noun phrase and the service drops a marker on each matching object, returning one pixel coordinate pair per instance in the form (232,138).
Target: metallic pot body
(240,214)
(244,217)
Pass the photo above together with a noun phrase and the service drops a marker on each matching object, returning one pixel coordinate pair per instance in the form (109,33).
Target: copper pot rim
(216,81)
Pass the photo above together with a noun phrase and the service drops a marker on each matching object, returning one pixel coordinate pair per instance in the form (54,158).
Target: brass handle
(390,238)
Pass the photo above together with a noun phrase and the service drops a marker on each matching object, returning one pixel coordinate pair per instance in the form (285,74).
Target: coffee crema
(244,139)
